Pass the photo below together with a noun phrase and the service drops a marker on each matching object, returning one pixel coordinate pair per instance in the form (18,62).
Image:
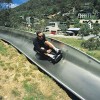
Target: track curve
(77,71)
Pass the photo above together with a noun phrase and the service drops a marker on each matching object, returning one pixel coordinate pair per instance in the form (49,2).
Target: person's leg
(52,47)
(45,54)
(49,44)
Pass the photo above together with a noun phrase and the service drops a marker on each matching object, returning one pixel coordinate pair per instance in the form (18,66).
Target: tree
(95,3)
(96,29)
(7,12)
(84,31)
(94,42)
(76,22)
(7,1)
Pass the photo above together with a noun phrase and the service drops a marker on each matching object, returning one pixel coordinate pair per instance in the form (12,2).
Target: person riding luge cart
(46,49)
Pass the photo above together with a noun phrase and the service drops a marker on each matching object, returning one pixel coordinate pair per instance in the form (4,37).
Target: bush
(92,43)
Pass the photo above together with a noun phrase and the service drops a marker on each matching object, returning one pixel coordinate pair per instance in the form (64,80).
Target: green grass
(29,98)
(15,92)
(29,88)
(33,93)
(71,41)
(3,50)
(1,63)
(29,83)
(77,44)
(94,53)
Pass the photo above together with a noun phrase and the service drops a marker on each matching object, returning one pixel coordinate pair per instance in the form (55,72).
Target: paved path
(63,36)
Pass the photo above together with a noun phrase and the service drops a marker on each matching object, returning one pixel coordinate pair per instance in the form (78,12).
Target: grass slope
(20,80)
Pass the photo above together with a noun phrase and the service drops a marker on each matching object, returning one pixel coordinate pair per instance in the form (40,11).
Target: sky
(17,2)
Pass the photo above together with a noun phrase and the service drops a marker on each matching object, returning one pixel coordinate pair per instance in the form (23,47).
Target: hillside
(21,80)
(41,9)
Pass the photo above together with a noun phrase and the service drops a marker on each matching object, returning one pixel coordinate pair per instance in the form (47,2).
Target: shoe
(56,58)
(58,51)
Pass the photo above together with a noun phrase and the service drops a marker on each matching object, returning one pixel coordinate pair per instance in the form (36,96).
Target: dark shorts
(46,47)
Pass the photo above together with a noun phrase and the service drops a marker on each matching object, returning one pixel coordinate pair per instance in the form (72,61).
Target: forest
(41,9)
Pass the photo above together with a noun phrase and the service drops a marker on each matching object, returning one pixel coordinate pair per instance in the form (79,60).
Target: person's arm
(38,48)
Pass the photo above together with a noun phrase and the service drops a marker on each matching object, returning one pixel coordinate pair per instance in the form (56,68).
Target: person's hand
(49,51)
(42,48)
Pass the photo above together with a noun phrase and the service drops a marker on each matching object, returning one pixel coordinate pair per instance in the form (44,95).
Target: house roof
(69,32)
(73,29)
(85,11)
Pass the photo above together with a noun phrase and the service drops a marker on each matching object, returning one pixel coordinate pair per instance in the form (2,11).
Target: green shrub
(91,44)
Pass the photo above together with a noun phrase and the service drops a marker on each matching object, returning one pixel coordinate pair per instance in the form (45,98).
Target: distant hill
(42,8)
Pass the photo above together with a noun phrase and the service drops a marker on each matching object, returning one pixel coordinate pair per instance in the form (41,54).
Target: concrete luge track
(77,72)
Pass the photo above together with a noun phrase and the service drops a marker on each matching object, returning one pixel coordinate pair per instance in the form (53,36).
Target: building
(93,21)
(72,31)
(84,14)
(52,26)
(90,22)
